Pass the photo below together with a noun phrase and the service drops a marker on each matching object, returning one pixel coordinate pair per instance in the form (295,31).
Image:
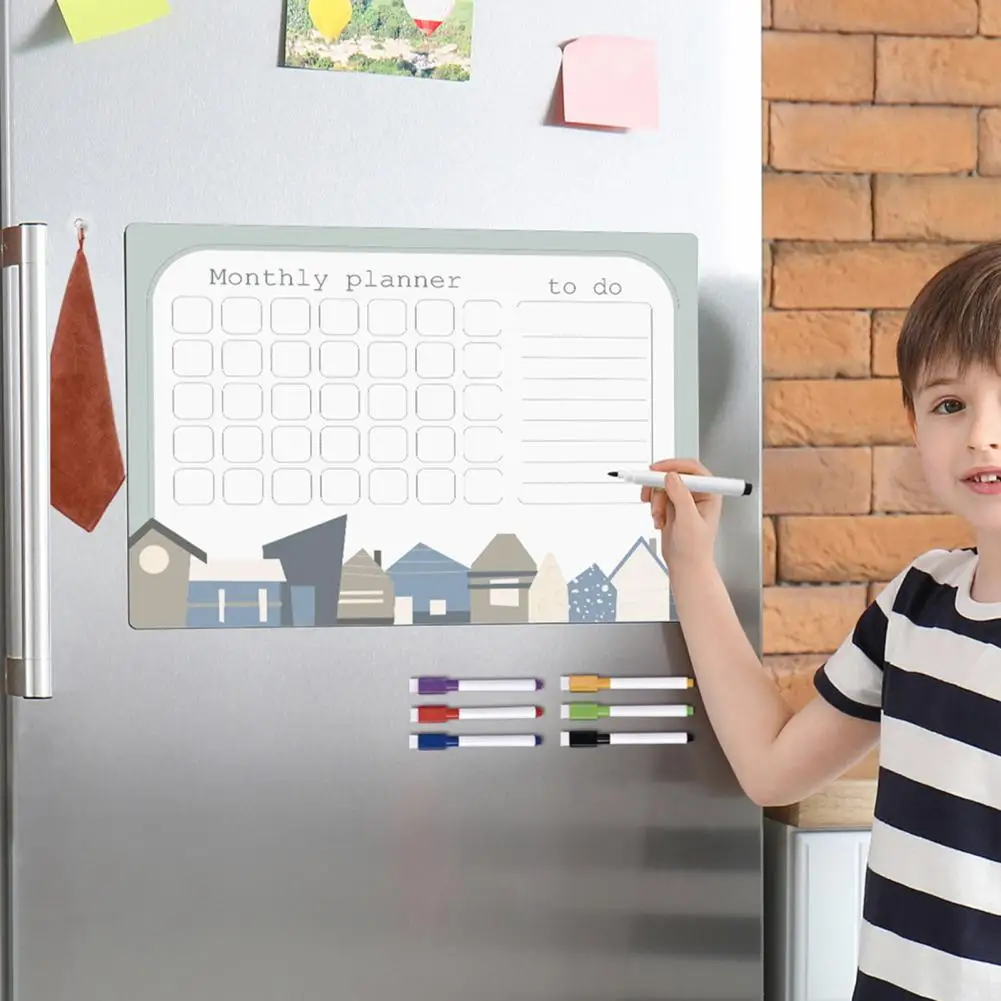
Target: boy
(920,674)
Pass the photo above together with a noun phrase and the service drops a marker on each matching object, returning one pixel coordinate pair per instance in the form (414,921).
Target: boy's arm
(779,756)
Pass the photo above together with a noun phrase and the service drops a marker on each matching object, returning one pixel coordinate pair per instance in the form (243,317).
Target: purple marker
(443,686)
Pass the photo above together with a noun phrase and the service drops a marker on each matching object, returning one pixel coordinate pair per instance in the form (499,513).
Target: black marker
(595,738)
(700,484)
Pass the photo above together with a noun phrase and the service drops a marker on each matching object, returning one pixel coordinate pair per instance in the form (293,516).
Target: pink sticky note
(610,81)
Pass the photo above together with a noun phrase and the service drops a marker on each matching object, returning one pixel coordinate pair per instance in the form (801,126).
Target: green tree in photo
(450,71)
(313,61)
(381,20)
(360,63)
(297,19)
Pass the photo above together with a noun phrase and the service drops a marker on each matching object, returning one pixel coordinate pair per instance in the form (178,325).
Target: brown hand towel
(87,467)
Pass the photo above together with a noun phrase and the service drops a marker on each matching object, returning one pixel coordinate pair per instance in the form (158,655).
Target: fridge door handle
(28,656)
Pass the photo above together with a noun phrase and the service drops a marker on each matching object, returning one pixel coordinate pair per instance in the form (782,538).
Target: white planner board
(461,406)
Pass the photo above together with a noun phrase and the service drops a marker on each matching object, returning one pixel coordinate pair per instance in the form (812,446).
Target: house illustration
(235,594)
(592,596)
(642,585)
(367,596)
(499,580)
(430,587)
(310,559)
(548,600)
(159,567)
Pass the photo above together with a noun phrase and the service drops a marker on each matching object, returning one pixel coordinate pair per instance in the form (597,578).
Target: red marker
(446,714)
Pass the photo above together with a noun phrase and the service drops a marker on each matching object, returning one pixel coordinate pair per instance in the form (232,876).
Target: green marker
(594,710)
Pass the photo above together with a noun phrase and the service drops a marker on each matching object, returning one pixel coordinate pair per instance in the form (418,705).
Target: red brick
(807,66)
(769,556)
(766,273)
(899,484)
(817,207)
(817,480)
(938,70)
(885,334)
(990,17)
(990,141)
(801,618)
(815,344)
(834,412)
(855,276)
(872,138)
(793,675)
(862,548)
(937,208)
(899,17)
(765,118)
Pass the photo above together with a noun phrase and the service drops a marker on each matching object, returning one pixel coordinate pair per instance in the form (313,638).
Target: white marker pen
(597,683)
(445,714)
(700,484)
(443,741)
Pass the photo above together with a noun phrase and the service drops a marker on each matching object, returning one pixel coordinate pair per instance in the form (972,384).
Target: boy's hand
(687,522)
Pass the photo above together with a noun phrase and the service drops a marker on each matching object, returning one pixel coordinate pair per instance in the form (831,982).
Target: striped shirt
(924,660)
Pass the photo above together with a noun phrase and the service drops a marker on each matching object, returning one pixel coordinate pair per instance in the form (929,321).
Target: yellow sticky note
(89,19)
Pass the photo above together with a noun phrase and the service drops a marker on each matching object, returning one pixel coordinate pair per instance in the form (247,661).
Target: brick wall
(882,162)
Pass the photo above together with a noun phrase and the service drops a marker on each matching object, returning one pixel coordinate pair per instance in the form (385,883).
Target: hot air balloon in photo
(429,14)
(330,17)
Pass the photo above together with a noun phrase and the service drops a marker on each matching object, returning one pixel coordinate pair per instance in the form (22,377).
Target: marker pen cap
(432,741)
(583,683)
(433,714)
(431,686)
(583,738)
(583,711)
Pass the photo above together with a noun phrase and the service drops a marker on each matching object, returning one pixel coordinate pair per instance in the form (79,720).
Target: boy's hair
(955,320)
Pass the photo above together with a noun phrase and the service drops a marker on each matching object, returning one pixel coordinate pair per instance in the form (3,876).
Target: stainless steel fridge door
(232,815)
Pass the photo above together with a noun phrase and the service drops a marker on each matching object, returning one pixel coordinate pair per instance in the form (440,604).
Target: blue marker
(444,741)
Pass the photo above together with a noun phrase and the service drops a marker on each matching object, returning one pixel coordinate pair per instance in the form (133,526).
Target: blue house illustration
(430,588)
(230,595)
(592,596)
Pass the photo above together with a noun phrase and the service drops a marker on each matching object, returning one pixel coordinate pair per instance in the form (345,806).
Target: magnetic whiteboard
(401,434)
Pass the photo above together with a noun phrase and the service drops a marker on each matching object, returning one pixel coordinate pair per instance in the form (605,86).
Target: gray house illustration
(159,567)
(430,587)
(367,596)
(311,559)
(499,580)
(592,596)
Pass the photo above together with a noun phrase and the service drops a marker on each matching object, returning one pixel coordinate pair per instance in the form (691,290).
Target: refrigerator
(238,814)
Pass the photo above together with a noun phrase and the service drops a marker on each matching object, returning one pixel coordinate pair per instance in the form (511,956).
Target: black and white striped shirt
(925,661)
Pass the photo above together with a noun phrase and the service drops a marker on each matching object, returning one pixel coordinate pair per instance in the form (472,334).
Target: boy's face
(957,429)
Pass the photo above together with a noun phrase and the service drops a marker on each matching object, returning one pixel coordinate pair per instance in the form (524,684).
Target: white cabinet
(813,904)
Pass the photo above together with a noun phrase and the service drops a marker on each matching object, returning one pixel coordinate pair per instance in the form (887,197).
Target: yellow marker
(89,19)
(330,17)
(596,683)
